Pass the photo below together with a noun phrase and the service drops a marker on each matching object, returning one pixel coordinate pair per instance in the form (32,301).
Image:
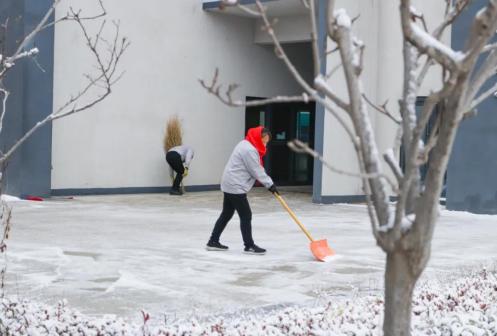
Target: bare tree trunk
(399,286)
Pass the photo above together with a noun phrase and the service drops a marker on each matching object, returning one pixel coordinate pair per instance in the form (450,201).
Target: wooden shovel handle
(292,214)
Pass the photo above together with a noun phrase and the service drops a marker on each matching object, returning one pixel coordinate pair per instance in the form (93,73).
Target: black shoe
(254,249)
(216,246)
(175,192)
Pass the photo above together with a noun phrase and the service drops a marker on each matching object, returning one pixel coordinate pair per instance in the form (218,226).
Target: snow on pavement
(119,254)
(464,306)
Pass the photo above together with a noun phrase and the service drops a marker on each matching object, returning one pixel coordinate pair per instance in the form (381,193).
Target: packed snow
(465,306)
(9,198)
(119,254)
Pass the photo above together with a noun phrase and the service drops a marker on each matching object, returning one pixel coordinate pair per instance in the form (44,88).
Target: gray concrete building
(116,147)
(472,172)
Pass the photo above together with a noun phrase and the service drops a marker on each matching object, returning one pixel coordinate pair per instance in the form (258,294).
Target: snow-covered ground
(121,254)
(464,306)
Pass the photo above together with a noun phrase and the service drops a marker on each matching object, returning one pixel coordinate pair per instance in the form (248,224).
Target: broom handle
(287,208)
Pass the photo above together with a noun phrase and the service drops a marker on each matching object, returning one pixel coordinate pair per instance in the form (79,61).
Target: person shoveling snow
(244,167)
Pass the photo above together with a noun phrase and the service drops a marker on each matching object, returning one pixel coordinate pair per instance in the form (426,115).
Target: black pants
(174,160)
(231,203)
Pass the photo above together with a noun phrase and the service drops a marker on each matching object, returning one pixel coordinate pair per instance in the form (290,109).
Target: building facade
(472,172)
(117,146)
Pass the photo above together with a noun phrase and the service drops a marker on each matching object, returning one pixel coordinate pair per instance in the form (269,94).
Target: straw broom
(174,133)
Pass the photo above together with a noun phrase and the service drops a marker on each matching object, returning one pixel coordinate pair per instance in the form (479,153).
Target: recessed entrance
(287,121)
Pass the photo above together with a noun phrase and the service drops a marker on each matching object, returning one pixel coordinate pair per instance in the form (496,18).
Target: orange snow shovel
(319,248)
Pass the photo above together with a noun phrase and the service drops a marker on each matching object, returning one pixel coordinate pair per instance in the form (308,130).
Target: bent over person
(244,167)
(179,158)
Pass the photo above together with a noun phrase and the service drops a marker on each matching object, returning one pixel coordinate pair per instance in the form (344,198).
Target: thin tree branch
(301,147)
(450,16)
(321,85)
(42,25)
(215,89)
(424,71)
(382,109)
(36,30)
(394,166)
(280,52)
(314,38)
(421,17)
(489,47)
(236,3)
(329,52)
(106,77)
(485,71)
(333,71)
(4,106)
(71,17)
(480,99)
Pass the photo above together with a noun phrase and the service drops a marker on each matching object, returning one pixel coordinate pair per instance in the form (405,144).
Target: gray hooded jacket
(243,169)
(186,152)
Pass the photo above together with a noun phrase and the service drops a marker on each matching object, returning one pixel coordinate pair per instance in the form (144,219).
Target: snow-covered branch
(489,47)
(21,49)
(9,62)
(5,97)
(426,43)
(321,84)
(452,13)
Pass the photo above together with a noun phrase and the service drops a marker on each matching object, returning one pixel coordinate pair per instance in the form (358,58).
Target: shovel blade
(321,250)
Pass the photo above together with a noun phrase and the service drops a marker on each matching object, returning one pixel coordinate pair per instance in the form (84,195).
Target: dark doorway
(287,121)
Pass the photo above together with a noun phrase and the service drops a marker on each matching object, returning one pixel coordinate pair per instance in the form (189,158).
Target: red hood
(254,136)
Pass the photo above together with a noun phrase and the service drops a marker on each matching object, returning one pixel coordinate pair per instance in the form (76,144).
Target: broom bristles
(174,133)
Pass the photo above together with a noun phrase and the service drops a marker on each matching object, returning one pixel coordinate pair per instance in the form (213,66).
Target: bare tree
(403,231)
(106,55)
